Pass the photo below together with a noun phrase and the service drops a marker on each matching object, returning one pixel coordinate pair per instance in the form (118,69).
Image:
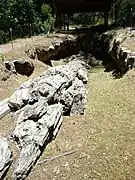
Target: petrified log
(5,156)
(52,85)
(33,135)
(4,108)
(39,105)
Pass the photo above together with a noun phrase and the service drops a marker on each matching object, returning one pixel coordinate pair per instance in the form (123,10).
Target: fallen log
(39,105)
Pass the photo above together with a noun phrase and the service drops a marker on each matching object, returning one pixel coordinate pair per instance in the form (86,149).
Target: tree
(47,17)
(25,17)
(121,9)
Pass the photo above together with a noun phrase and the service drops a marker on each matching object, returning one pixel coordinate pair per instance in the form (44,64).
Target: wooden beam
(106,18)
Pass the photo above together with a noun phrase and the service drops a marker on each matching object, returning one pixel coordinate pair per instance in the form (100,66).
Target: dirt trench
(92,42)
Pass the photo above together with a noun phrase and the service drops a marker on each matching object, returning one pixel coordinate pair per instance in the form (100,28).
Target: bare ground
(16,49)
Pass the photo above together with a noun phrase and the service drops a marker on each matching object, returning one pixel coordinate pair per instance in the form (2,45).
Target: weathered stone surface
(4,108)
(22,67)
(33,112)
(79,97)
(27,159)
(30,130)
(5,156)
(73,98)
(111,44)
(82,75)
(18,99)
(35,134)
(39,106)
(50,84)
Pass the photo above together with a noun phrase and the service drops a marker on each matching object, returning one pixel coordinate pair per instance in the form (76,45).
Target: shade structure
(66,6)
(74,6)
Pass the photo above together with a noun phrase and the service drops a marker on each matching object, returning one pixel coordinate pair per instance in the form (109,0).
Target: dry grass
(20,45)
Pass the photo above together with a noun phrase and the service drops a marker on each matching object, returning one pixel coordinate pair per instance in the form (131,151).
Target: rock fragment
(5,156)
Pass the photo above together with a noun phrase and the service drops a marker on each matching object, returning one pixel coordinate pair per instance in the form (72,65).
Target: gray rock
(27,159)
(82,75)
(28,130)
(19,99)
(4,108)
(73,98)
(34,135)
(79,97)
(32,112)
(5,156)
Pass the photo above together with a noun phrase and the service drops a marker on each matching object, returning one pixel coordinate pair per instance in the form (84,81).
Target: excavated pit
(96,44)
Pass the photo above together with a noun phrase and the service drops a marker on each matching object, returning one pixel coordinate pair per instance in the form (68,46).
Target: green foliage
(2,57)
(47,18)
(46,10)
(3,36)
(25,17)
(30,17)
(121,11)
(84,19)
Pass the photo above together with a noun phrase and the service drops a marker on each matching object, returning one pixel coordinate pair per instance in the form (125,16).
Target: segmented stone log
(39,105)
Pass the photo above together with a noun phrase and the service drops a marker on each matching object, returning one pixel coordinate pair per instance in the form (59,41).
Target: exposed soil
(17,50)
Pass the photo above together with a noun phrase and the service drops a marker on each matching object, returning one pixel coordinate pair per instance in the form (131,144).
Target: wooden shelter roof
(67,6)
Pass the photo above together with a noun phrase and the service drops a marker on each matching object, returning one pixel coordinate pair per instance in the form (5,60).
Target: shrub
(47,18)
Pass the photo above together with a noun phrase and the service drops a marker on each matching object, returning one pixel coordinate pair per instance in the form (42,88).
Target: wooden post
(64,21)
(131,20)
(67,22)
(11,35)
(61,21)
(57,24)
(106,18)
